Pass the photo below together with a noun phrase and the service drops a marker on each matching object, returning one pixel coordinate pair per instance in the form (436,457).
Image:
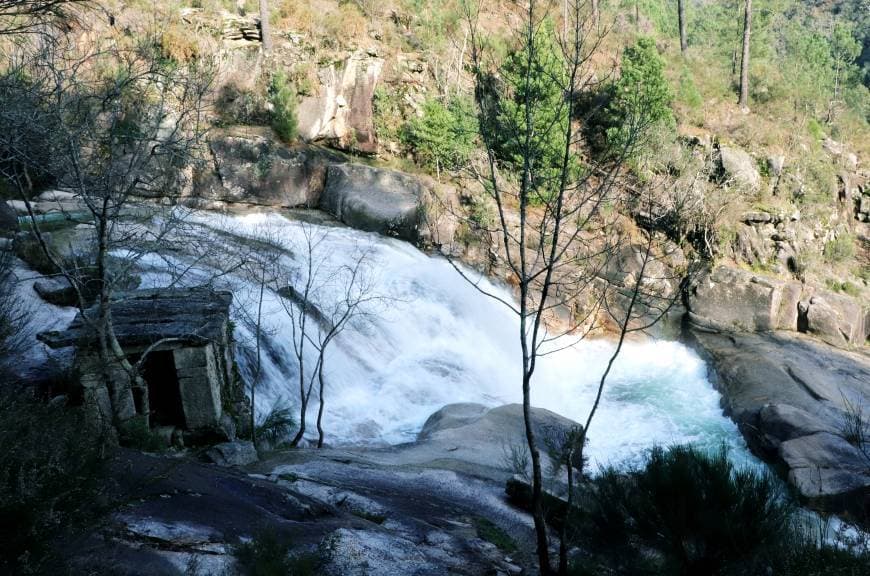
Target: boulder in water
(484,442)
(374,200)
(791,396)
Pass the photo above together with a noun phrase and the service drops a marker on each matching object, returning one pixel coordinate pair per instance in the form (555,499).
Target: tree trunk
(836,98)
(538,516)
(256,379)
(265,32)
(320,408)
(637,16)
(681,12)
(596,15)
(744,62)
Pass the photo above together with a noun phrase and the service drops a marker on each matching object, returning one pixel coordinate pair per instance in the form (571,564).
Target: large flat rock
(791,396)
(374,200)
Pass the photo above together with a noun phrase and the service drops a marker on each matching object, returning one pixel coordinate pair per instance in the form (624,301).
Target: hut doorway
(164,393)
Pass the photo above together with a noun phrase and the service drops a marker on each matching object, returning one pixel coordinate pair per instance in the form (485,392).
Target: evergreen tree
(536,74)
(443,138)
(641,98)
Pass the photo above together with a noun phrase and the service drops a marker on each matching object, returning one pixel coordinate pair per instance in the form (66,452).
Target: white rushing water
(438,340)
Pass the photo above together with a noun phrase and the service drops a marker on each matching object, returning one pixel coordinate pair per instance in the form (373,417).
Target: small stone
(239,453)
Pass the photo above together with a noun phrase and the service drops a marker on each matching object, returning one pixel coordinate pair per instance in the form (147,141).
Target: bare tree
(300,292)
(744,61)
(356,301)
(322,300)
(681,13)
(25,16)
(112,125)
(561,240)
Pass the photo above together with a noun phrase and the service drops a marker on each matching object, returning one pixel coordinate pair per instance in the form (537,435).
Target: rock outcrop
(733,299)
(238,453)
(475,440)
(792,398)
(255,169)
(359,516)
(739,167)
(375,200)
(341,113)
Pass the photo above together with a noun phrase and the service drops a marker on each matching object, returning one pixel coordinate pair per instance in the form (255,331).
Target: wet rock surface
(398,510)
(793,398)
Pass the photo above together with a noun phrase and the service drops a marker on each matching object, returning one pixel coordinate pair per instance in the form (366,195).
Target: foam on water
(441,341)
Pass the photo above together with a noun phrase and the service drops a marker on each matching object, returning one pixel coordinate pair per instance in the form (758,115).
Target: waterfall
(439,340)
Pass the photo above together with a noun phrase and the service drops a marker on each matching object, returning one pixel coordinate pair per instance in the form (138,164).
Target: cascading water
(438,340)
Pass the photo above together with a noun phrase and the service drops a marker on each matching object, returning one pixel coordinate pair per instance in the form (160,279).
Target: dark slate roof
(142,317)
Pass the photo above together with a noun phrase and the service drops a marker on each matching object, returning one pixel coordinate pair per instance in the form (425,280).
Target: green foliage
(696,512)
(815,129)
(688,92)
(387,108)
(839,249)
(50,476)
(28,249)
(530,128)
(641,100)
(282,96)
(135,433)
(488,531)
(444,136)
(268,555)
(277,425)
(844,286)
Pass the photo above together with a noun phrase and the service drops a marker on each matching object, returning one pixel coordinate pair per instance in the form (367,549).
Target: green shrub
(51,475)
(282,96)
(688,93)
(839,249)
(387,109)
(443,138)
(641,99)
(277,425)
(541,83)
(696,512)
(844,286)
(815,129)
(135,433)
(268,555)
(486,530)
(28,249)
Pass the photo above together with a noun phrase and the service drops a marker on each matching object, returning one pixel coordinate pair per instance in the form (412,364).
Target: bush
(283,99)
(28,249)
(50,476)
(540,82)
(268,555)
(696,512)
(840,249)
(443,138)
(640,103)
(277,425)
(135,433)
(15,330)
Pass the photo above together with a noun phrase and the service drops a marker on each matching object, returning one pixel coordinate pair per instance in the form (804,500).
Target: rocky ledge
(796,400)
(430,507)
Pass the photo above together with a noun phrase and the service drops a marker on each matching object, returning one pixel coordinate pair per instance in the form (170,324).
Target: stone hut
(187,370)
